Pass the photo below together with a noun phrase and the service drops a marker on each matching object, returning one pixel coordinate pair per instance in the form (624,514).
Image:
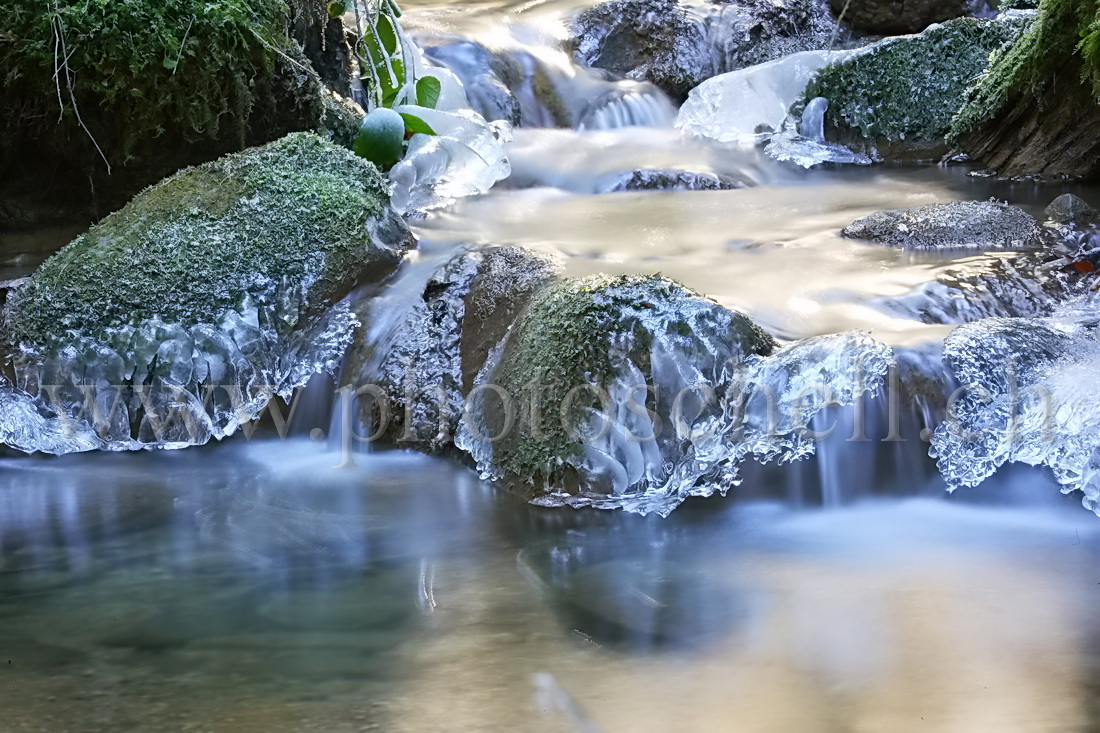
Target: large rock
(890,17)
(897,98)
(634,392)
(958,225)
(1072,212)
(677,47)
(104,99)
(192,306)
(653,40)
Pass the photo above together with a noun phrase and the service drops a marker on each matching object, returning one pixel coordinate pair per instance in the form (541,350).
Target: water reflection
(255,587)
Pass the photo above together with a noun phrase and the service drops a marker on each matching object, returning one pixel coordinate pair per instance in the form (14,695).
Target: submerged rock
(958,225)
(486,78)
(898,97)
(648,179)
(1020,285)
(179,317)
(889,17)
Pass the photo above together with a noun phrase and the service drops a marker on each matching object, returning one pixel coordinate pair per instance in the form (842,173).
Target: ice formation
(161,384)
(1026,397)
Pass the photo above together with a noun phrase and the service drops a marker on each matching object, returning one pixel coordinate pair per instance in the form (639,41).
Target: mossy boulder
(898,98)
(103,98)
(572,342)
(182,315)
(1034,113)
(298,213)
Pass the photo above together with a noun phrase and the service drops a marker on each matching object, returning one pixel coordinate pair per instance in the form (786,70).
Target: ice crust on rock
(752,105)
(1026,397)
(719,401)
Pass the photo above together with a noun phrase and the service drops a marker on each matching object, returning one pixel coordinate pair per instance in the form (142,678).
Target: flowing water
(267,585)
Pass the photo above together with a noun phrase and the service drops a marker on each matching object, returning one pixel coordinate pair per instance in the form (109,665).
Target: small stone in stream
(958,225)
(1073,212)
(672,180)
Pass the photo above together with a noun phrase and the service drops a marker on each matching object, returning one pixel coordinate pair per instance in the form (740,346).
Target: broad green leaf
(394,8)
(387,33)
(337,8)
(415,124)
(427,92)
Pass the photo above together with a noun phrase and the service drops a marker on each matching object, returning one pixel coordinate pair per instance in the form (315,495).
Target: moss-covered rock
(102,98)
(181,316)
(569,345)
(299,213)
(901,95)
(1034,113)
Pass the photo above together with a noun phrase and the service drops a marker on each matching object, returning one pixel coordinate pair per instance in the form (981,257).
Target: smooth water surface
(258,587)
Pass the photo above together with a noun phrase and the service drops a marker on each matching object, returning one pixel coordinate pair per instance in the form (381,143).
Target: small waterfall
(629,108)
(534,83)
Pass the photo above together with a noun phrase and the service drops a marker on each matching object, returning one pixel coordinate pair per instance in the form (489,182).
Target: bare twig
(61,56)
(182,44)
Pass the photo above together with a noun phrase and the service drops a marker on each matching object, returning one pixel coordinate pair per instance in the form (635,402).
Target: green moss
(1061,30)
(910,88)
(293,213)
(180,66)
(564,340)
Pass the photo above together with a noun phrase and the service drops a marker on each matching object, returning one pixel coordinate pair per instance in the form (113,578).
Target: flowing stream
(271,584)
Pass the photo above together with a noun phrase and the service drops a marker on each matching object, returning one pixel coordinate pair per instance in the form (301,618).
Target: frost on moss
(298,214)
(909,88)
(577,332)
(1061,30)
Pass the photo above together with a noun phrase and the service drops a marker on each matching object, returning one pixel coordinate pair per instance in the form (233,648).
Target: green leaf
(170,64)
(427,92)
(415,124)
(394,8)
(387,33)
(337,8)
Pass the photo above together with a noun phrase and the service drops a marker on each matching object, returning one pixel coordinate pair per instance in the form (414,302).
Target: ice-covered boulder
(957,225)
(750,105)
(1026,396)
(897,98)
(634,392)
(177,318)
